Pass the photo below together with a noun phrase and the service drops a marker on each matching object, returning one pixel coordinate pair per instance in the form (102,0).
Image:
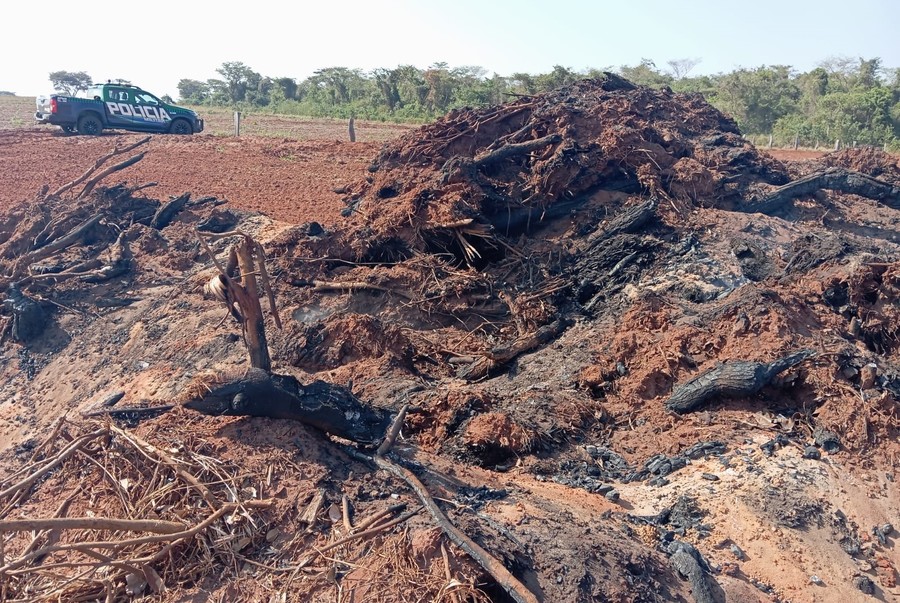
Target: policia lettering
(145,112)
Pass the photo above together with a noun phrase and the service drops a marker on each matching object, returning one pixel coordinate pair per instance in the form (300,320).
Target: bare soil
(409,286)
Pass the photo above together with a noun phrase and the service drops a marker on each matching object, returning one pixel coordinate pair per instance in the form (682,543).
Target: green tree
(287,86)
(560,76)
(70,82)
(193,91)
(523,83)
(757,98)
(239,78)
(645,74)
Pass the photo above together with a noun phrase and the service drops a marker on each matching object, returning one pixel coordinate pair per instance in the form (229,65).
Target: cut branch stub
(245,294)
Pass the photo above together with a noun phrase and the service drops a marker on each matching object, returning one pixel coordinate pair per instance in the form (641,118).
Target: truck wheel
(181,126)
(90,125)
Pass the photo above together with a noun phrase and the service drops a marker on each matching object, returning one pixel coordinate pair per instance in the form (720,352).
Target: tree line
(854,101)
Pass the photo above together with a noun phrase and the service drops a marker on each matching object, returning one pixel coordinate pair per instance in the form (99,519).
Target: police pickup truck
(117,106)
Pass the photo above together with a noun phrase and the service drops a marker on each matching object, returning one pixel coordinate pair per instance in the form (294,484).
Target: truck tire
(90,125)
(181,126)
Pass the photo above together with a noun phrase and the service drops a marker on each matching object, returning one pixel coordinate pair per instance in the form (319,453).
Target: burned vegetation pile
(563,305)
(512,168)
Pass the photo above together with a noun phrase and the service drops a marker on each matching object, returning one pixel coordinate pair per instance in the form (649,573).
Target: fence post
(770,141)
(351,130)
(837,144)
(237,123)
(796,141)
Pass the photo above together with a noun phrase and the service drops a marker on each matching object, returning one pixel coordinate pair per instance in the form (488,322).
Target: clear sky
(155,43)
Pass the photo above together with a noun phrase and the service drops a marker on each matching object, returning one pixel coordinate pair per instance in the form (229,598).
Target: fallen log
(732,379)
(504,354)
(834,179)
(329,408)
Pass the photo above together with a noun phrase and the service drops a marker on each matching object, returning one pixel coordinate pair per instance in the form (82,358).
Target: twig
(504,578)
(116,544)
(62,456)
(447,573)
(365,534)
(157,526)
(363,525)
(393,431)
(345,513)
(149,449)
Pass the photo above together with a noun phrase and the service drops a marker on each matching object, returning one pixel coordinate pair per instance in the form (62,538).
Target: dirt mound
(867,160)
(639,362)
(512,168)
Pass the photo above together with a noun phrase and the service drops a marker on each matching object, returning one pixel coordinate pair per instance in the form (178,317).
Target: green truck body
(116,106)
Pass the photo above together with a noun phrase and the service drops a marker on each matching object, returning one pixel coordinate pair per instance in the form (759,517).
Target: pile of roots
(507,169)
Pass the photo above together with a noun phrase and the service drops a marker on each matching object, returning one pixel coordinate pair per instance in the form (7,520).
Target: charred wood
(169,210)
(834,179)
(732,379)
(28,317)
(629,220)
(504,354)
(329,408)
(515,149)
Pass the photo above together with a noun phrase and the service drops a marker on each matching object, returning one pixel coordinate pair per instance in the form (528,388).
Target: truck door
(119,107)
(151,111)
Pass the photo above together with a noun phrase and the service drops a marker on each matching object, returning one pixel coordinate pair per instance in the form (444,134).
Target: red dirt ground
(289,180)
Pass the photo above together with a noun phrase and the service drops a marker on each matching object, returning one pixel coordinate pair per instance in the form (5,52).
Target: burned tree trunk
(629,220)
(835,179)
(738,378)
(330,408)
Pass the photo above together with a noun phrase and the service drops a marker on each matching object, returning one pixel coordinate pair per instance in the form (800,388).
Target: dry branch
(158,526)
(245,294)
(497,570)
(504,354)
(96,166)
(152,451)
(118,544)
(53,463)
(71,238)
(514,149)
(89,186)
